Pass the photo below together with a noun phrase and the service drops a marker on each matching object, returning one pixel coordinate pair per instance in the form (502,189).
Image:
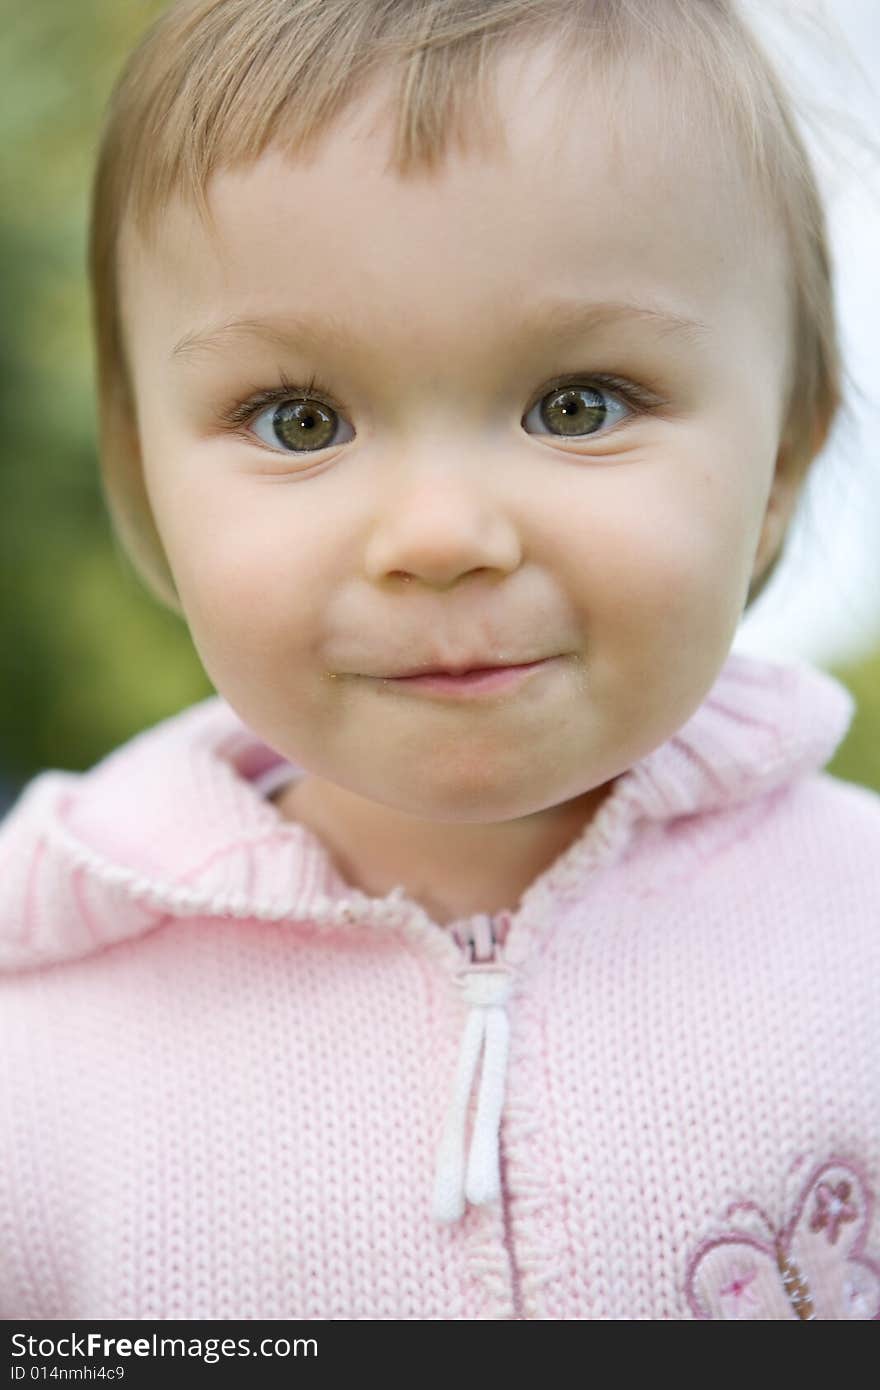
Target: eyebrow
(564,317)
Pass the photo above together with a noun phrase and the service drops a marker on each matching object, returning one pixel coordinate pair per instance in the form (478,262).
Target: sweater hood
(176,822)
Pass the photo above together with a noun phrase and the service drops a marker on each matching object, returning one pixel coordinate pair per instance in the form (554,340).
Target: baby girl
(493,944)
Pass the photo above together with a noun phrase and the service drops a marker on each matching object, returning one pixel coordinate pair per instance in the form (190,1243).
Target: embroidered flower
(832,1209)
(737,1296)
(858,1291)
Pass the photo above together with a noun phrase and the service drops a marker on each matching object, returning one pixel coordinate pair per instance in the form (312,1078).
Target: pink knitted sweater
(232,1087)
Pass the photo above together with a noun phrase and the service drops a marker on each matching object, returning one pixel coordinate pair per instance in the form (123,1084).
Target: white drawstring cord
(486,1030)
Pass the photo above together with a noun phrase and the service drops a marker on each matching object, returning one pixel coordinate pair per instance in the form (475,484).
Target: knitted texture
(225,1074)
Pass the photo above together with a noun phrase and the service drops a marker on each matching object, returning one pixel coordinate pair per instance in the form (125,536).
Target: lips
(477,683)
(472,668)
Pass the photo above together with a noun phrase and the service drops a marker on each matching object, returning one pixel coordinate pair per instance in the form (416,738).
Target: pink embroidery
(813,1266)
(832,1209)
(737,1293)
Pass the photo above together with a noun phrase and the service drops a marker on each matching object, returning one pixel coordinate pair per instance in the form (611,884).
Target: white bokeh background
(823,604)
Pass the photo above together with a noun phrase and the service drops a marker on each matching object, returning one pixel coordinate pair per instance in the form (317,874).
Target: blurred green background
(88,658)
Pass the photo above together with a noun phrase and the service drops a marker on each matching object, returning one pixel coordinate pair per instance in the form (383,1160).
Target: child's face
(445,521)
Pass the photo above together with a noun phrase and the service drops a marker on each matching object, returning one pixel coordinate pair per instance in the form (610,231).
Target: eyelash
(640,400)
(244,411)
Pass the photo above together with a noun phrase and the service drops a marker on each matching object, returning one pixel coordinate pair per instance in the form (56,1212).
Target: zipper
(481,940)
(518,1313)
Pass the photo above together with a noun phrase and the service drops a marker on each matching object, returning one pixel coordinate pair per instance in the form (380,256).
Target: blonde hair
(214,83)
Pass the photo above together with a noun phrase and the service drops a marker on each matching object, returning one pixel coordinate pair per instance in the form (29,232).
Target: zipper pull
(485,979)
(485,982)
(481,937)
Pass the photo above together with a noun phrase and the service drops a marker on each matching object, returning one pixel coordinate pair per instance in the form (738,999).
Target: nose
(437,525)
(438,533)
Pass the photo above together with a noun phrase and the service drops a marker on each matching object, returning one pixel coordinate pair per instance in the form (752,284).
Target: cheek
(246,572)
(668,559)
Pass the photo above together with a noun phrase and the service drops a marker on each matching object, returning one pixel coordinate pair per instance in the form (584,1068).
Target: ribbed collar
(173,822)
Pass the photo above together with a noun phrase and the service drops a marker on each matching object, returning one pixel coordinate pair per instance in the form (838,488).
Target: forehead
(586,185)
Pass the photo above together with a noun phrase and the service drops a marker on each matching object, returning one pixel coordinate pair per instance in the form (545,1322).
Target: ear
(788,479)
(795,454)
(128,501)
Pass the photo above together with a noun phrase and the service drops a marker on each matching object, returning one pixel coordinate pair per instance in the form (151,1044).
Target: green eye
(300,426)
(574,411)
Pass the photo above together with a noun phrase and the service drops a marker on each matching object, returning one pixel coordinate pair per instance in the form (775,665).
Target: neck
(451,869)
